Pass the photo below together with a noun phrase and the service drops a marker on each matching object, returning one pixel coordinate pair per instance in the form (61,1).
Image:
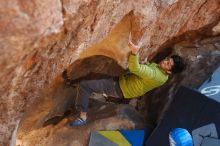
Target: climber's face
(167,64)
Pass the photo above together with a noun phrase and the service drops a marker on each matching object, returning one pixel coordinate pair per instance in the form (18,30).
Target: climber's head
(173,64)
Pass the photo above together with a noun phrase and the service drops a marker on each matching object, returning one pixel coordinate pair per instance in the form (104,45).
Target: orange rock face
(41,38)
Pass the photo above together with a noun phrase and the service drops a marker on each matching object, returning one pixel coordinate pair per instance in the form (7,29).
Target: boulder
(40,39)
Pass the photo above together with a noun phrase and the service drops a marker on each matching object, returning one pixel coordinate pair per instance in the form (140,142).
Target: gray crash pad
(211,87)
(210,142)
(202,132)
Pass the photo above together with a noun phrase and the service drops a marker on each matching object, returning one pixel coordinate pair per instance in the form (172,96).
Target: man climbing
(141,79)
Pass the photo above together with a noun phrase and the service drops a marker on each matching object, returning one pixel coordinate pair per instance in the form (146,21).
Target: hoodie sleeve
(141,70)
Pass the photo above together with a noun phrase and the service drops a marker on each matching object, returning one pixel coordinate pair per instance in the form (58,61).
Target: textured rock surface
(102,117)
(39,39)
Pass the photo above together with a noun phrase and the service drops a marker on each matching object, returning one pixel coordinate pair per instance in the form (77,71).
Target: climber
(141,79)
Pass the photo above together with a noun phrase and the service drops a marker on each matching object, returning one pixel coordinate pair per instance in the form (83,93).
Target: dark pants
(110,87)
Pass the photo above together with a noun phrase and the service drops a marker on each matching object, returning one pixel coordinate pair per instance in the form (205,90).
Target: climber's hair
(179,64)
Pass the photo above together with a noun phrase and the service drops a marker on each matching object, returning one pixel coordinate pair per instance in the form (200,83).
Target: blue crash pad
(134,137)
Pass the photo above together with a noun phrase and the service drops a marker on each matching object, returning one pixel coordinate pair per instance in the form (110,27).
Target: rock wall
(41,38)
(102,117)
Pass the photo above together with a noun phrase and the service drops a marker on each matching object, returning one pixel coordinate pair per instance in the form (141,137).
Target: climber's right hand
(134,48)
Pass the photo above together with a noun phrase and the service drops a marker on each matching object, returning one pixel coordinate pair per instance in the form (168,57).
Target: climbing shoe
(78,122)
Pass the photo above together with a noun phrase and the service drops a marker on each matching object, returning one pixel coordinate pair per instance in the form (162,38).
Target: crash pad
(134,137)
(190,110)
(116,137)
(208,141)
(211,87)
(97,139)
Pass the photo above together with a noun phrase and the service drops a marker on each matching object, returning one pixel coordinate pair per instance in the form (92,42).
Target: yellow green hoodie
(142,78)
